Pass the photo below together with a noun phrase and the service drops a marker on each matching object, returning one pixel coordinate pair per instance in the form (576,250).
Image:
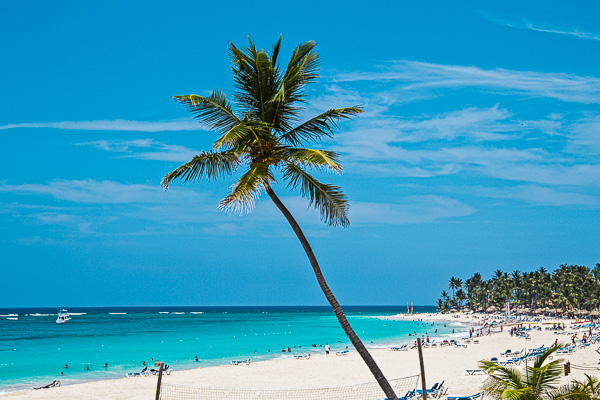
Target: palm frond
(243,134)
(510,377)
(256,79)
(247,189)
(328,199)
(322,125)
(208,163)
(544,377)
(516,394)
(302,69)
(539,361)
(311,158)
(275,53)
(571,391)
(214,110)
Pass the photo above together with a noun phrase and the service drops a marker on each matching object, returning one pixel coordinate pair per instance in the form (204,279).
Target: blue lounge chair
(342,353)
(143,372)
(475,396)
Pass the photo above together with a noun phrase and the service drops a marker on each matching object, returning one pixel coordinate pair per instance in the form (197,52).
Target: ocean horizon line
(207,306)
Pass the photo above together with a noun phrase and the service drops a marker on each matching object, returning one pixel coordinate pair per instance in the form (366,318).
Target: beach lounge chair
(302,357)
(56,383)
(143,372)
(246,362)
(166,370)
(475,371)
(342,353)
(475,396)
(435,391)
(410,395)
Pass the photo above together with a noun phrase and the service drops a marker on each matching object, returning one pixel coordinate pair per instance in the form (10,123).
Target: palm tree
(454,283)
(261,137)
(460,296)
(537,382)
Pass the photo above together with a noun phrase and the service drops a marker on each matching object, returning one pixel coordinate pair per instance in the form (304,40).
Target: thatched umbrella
(539,310)
(595,313)
(582,312)
(490,309)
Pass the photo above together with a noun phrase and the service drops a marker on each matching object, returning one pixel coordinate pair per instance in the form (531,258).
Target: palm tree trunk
(337,309)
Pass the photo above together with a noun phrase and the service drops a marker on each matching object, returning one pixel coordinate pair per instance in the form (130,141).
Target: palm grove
(569,288)
(264,137)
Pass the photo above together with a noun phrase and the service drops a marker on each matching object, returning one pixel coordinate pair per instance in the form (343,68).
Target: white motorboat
(63,316)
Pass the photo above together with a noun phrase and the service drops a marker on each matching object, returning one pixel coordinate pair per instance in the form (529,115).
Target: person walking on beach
(327,348)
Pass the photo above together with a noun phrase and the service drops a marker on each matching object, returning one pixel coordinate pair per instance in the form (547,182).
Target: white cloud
(152,149)
(413,75)
(534,194)
(411,210)
(523,24)
(115,125)
(102,192)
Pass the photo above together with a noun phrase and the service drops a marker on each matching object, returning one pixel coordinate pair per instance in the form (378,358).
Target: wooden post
(422,369)
(160,371)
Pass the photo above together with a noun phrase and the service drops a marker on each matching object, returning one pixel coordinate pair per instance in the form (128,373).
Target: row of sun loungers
(303,357)
(144,372)
(433,344)
(242,362)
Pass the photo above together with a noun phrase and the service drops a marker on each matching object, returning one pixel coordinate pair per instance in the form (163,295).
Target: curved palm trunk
(337,309)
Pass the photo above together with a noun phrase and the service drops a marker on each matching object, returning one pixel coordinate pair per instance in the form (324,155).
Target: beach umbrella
(539,310)
(583,312)
(595,313)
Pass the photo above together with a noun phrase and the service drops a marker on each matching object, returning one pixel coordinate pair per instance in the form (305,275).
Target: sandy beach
(441,363)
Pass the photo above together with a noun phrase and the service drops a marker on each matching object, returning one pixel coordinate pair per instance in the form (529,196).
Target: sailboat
(63,316)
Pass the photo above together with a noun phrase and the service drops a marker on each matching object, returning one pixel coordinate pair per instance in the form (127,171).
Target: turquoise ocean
(34,348)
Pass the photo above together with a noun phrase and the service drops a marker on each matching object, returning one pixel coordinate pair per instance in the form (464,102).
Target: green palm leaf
(210,164)
(213,110)
(328,199)
(317,127)
(247,189)
(310,158)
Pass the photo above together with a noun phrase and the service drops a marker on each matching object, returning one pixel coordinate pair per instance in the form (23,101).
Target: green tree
(534,382)
(260,136)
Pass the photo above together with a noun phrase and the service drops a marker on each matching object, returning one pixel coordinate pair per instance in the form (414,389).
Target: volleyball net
(364,391)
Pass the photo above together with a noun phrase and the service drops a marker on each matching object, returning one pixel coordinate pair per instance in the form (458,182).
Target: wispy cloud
(412,76)
(115,125)
(101,192)
(144,149)
(535,194)
(526,25)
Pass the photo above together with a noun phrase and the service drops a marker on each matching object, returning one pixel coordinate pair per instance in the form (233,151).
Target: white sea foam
(9,315)
(178,313)
(163,312)
(196,312)
(40,315)
(117,313)
(77,313)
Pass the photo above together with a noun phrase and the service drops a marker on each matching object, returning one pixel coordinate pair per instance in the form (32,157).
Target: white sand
(445,363)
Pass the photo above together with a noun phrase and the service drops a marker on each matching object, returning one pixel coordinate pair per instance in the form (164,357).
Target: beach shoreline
(444,363)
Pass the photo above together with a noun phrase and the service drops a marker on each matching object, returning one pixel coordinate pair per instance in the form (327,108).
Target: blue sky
(479,150)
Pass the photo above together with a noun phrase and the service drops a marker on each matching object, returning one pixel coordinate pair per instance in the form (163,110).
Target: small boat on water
(63,316)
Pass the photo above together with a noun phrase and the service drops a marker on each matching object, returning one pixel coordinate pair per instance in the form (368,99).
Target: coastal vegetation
(261,136)
(535,382)
(572,289)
